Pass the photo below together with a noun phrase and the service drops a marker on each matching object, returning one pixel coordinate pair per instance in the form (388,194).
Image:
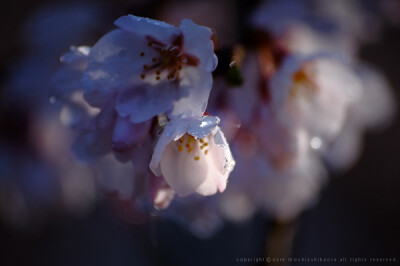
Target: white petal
(198,83)
(162,143)
(143,102)
(181,171)
(115,62)
(228,161)
(67,79)
(197,42)
(201,128)
(175,129)
(206,174)
(162,31)
(220,164)
(76,54)
(321,111)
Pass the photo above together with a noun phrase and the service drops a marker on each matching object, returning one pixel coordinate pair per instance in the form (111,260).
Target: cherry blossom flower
(193,156)
(375,109)
(152,67)
(148,68)
(315,93)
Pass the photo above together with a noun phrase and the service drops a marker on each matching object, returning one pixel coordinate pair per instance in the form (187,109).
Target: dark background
(358,214)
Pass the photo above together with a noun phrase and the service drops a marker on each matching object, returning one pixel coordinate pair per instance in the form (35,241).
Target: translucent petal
(162,31)
(198,83)
(181,171)
(175,129)
(197,42)
(115,63)
(142,103)
(201,128)
(195,170)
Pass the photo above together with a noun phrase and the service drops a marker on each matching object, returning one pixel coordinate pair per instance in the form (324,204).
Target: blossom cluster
(309,99)
(301,110)
(146,86)
(154,114)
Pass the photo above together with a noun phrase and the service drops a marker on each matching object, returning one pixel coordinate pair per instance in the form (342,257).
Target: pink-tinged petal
(160,192)
(127,134)
(197,42)
(174,130)
(220,164)
(193,165)
(160,30)
(226,162)
(315,93)
(181,171)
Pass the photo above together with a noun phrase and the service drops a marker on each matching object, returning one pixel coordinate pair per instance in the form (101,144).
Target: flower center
(170,58)
(301,82)
(192,146)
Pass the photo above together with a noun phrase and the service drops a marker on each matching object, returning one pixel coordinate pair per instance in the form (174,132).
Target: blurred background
(357,215)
